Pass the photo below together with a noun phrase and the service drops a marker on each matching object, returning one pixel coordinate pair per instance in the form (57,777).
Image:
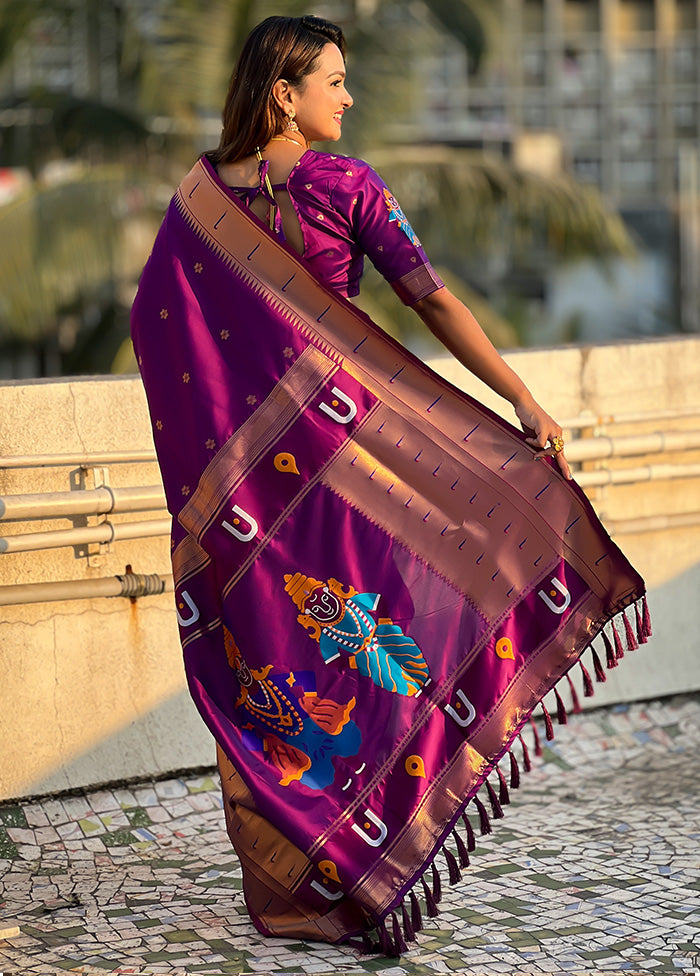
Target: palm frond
(60,246)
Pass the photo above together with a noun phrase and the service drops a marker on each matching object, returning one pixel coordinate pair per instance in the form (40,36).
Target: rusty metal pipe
(132,585)
(92,501)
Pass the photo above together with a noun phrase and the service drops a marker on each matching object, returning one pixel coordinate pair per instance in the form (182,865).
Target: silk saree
(376,583)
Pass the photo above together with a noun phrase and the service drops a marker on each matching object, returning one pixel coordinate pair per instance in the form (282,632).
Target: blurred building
(618,79)
(610,91)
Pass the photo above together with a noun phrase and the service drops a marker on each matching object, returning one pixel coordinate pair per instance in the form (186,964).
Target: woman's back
(334,209)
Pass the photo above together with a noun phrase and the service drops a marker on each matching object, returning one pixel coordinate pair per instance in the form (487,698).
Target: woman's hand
(542,431)
(457,329)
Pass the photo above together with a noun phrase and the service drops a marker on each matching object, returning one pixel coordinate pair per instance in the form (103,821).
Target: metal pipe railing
(132,585)
(91,501)
(105,533)
(633,417)
(651,523)
(76,460)
(597,448)
(627,476)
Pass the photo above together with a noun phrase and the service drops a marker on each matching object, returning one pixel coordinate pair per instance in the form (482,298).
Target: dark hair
(279,47)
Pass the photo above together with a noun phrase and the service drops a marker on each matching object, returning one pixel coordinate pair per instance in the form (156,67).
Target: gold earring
(291,124)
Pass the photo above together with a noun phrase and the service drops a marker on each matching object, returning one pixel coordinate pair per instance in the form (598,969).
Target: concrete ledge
(94,690)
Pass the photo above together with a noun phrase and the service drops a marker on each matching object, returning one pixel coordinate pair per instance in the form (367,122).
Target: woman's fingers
(555,449)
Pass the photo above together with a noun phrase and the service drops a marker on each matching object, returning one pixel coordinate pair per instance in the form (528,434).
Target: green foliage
(63,257)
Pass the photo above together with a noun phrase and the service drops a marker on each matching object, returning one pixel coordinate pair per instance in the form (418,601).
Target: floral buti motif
(397,215)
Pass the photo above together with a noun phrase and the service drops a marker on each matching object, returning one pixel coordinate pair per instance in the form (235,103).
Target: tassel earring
(291,124)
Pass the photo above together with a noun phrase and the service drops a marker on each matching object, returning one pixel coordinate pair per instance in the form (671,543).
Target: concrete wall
(94,690)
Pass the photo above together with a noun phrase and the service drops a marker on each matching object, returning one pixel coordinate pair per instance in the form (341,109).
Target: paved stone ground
(595,868)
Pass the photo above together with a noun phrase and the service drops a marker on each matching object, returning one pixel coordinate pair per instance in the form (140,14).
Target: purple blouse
(345,211)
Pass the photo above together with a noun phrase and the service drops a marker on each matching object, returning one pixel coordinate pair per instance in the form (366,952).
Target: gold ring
(557,444)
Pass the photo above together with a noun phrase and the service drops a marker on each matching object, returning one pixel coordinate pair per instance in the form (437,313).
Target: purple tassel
(461,850)
(527,765)
(619,653)
(437,885)
(641,635)
(632,644)
(452,866)
(408,930)
(496,809)
(548,727)
(385,943)
(430,905)
(610,659)
(514,771)
(562,717)
(646,617)
(503,797)
(484,822)
(597,666)
(416,917)
(536,734)
(365,947)
(575,703)
(587,683)
(399,944)
(471,839)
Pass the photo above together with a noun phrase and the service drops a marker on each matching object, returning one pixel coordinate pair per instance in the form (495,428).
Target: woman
(375,585)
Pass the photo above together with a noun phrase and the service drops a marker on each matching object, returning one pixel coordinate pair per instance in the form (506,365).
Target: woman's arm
(455,326)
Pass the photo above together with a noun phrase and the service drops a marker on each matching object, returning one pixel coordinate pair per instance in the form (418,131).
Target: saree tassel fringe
(514,771)
(610,659)
(461,850)
(437,884)
(632,644)
(619,652)
(503,796)
(484,822)
(430,906)
(408,930)
(646,618)
(587,683)
(400,946)
(536,736)
(455,874)
(548,727)
(598,667)
(416,916)
(639,624)
(575,703)
(386,943)
(496,808)
(471,839)
(527,765)
(562,717)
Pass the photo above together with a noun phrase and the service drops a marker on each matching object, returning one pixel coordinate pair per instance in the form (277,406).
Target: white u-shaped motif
(330,895)
(333,414)
(462,720)
(242,536)
(379,824)
(194,617)
(555,607)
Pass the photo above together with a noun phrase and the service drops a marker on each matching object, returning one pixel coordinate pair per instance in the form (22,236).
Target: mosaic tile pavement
(595,868)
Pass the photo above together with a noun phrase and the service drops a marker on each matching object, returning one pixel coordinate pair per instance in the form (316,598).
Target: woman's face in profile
(320,101)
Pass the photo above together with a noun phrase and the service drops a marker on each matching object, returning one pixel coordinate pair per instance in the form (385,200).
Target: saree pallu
(375,582)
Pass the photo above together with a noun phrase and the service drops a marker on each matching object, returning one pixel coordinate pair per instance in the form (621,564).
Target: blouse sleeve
(382,231)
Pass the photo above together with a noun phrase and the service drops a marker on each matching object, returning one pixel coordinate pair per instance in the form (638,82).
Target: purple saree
(375,583)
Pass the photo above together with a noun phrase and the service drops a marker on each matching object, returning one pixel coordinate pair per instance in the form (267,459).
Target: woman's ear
(280,93)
